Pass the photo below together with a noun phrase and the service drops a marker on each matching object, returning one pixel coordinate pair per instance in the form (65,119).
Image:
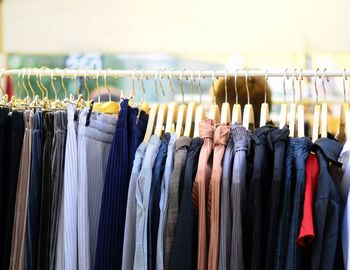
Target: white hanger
(301,125)
(172,110)
(225,108)
(344,125)
(236,110)
(181,113)
(248,112)
(191,111)
(292,111)
(324,109)
(214,112)
(283,113)
(317,111)
(264,112)
(162,111)
(200,111)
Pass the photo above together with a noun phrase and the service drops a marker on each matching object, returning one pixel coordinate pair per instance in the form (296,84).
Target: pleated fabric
(19,224)
(129,132)
(34,196)
(94,142)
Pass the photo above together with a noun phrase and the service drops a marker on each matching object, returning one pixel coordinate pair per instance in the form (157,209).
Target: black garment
(11,167)
(184,251)
(46,195)
(325,253)
(153,206)
(278,140)
(253,229)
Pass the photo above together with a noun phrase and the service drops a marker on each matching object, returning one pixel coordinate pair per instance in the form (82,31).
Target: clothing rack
(165,73)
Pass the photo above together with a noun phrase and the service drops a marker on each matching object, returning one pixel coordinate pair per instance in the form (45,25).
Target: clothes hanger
(283,112)
(80,102)
(45,103)
(236,110)
(162,111)
(57,104)
(317,110)
(292,110)
(172,110)
(344,125)
(66,99)
(300,119)
(16,102)
(181,112)
(42,104)
(225,108)
(324,109)
(200,111)
(214,112)
(248,112)
(4,96)
(264,112)
(144,105)
(152,114)
(87,90)
(191,110)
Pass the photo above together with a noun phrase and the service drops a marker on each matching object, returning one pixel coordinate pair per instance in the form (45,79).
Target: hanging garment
(57,177)
(277,140)
(184,251)
(327,208)
(130,219)
(19,224)
(46,194)
(307,232)
(143,187)
(345,235)
(15,139)
(129,132)
(34,196)
(69,221)
(180,155)
(225,207)
(221,135)
(200,188)
(154,197)
(241,141)
(163,202)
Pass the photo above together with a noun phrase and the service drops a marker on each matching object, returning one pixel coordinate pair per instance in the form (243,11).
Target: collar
(330,149)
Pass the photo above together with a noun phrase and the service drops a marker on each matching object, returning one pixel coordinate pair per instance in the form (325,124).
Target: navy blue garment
(34,196)
(14,150)
(129,132)
(153,206)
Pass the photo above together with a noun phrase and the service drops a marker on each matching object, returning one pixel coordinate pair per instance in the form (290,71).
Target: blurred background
(194,34)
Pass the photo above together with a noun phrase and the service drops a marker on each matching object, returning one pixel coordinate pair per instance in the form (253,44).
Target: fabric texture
(184,250)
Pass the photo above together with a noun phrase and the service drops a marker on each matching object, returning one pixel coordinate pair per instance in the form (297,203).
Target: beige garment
(200,189)
(221,135)
(20,217)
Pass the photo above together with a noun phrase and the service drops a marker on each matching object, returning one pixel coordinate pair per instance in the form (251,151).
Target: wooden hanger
(300,119)
(200,111)
(292,110)
(317,112)
(152,118)
(181,113)
(344,124)
(264,112)
(248,113)
(283,112)
(162,111)
(225,108)
(324,109)
(214,111)
(236,110)
(172,111)
(191,110)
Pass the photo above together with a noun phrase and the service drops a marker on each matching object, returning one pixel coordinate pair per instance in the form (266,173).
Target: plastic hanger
(152,114)
(214,111)
(181,113)
(191,110)
(292,110)
(236,110)
(248,112)
(172,110)
(283,112)
(200,111)
(225,108)
(343,128)
(324,109)
(264,112)
(162,111)
(317,112)
(144,104)
(300,119)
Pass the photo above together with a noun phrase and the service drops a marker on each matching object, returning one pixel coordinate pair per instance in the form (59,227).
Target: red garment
(307,233)
(9,89)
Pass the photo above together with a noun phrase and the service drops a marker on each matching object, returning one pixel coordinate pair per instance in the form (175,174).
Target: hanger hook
(106,85)
(23,82)
(98,86)
(213,85)
(62,84)
(38,84)
(293,86)
(170,82)
(18,83)
(75,82)
(246,85)
(300,85)
(156,84)
(161,84)
(344,89)
(42,84)
(265,89)
(323,84)
(181,86)
(199,85)
(192,81)
(284,84)
(225,86)
(52,84)
(142,84)
(29,83)
(315,83)
(87,90)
